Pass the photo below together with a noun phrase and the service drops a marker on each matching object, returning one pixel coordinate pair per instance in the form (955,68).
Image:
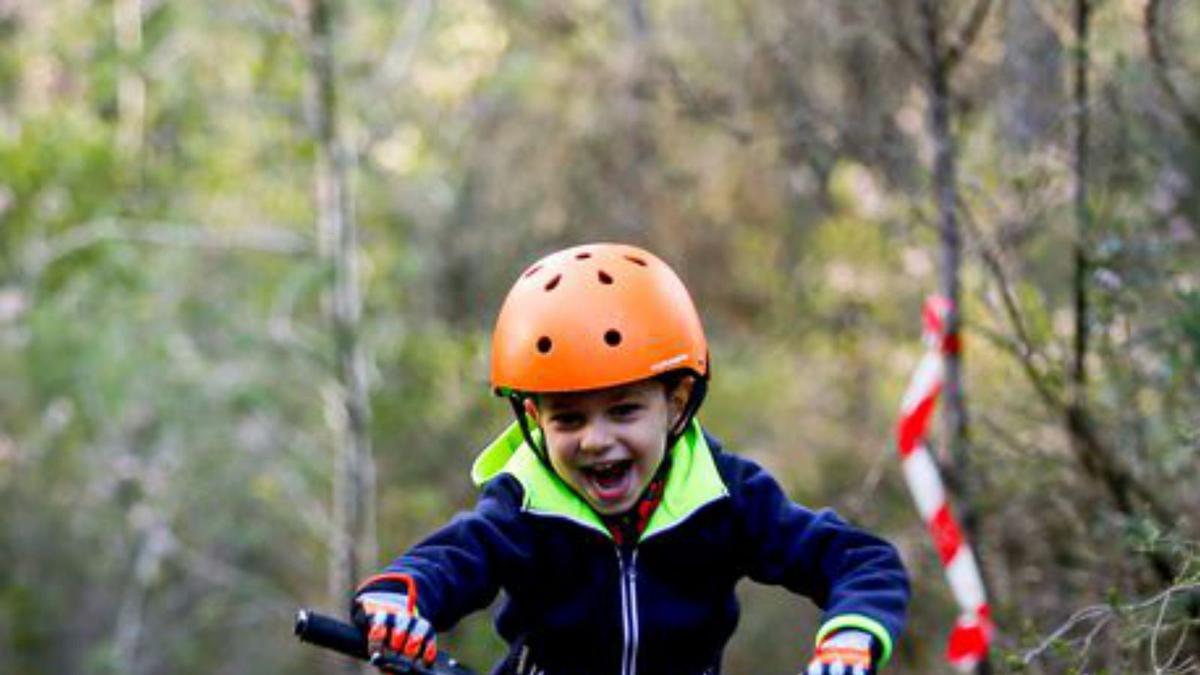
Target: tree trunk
(1097,458)
(960,477)
(131,86)
(635,206)
(1083,216)
(352,539)
(954,413)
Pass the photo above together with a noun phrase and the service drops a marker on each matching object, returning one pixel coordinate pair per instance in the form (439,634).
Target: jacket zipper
(629,611)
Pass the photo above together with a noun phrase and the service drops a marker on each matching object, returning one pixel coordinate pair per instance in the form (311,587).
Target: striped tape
(969,639)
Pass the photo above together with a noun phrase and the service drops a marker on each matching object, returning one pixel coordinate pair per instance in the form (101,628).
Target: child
(614,524)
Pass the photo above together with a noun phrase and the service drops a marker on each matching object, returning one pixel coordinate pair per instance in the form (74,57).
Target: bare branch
(801,142)
(695,107)
(264,239)
(970,31)
(899,34)
(1162,69)
(389,73)
(1023,348)
(856,503)
(1097,457)
(1105,614)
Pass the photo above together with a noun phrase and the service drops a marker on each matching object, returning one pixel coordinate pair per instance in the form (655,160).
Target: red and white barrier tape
(972,632)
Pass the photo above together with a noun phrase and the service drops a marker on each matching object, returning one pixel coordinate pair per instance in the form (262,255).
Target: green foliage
(167,364)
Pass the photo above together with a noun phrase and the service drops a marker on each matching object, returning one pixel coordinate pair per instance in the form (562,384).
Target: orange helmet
(593,316)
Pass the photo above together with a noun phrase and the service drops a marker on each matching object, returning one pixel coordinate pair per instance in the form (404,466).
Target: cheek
(557,448)
(652,439)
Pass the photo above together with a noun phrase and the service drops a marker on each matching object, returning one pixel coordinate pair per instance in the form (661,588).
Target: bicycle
(336,635)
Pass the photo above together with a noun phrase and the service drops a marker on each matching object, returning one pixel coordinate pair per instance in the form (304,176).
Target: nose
(597,436)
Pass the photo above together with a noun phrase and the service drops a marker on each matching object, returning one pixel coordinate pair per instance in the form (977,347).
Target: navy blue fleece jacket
(577,603)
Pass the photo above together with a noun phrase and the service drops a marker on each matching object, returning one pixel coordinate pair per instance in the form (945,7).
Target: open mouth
(609,479)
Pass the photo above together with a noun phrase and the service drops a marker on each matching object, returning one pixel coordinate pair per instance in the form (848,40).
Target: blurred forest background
(250,252)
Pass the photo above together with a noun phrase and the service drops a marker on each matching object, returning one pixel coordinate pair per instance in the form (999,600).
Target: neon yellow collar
(693,481)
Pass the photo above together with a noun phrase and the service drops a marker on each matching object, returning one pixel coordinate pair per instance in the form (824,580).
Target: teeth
(605,466)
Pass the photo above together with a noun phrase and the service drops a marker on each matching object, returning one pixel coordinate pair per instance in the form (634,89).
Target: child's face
(607,443)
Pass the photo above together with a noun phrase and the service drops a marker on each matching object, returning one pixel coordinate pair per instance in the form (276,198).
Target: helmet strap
(695,399)
(699,391)
(517,401)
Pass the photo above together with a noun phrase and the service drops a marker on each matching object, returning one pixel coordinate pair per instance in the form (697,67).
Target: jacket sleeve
(460,568)
(854,576)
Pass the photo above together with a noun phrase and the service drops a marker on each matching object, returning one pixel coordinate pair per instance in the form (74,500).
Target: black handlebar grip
(330,633)
(325,631)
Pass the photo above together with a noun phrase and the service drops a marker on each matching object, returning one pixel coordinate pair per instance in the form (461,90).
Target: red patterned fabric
(627,527)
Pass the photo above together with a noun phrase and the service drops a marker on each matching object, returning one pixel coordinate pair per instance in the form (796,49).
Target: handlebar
(339,636)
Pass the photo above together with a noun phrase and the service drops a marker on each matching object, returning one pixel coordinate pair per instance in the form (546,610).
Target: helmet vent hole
(553,283)
(532,271)
(612,337)
(583,256)
(605,278)
(544,344)
(635,260)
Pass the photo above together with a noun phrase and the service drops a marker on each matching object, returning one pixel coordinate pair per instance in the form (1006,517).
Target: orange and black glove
(846,652)
(385,609)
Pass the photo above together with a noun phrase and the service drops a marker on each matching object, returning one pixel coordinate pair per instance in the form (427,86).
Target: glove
(397,637)
(846,652)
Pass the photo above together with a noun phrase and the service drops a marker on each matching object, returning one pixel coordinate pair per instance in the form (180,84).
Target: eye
(622,410)
(566,420)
